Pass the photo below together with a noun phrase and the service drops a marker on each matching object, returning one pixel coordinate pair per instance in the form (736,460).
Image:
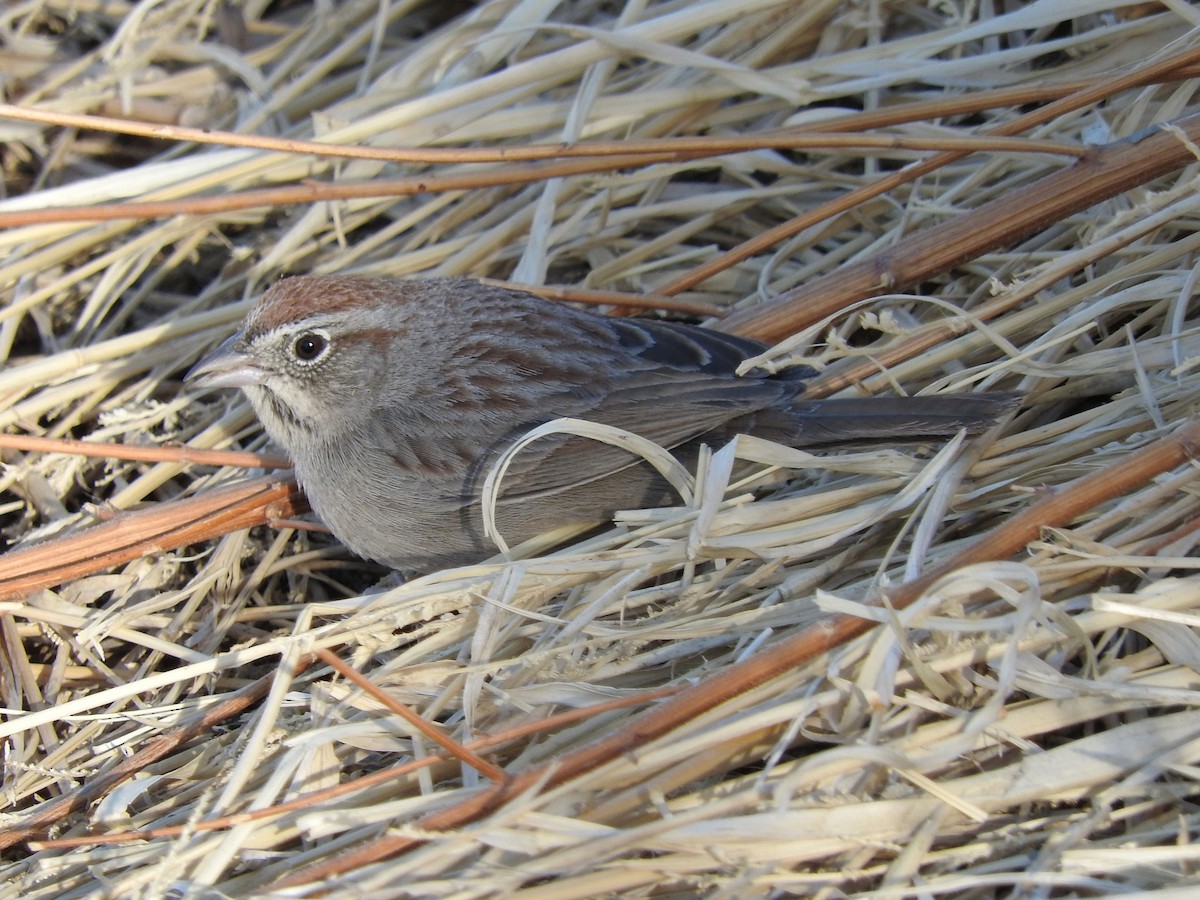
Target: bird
(394,397)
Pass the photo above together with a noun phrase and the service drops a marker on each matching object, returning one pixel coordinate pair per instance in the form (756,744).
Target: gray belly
(419,524)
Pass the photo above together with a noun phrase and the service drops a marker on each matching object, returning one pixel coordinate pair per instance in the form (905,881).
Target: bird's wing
(677,383)
(666,413)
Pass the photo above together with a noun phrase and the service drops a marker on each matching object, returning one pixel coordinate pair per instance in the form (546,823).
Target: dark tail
(897,418)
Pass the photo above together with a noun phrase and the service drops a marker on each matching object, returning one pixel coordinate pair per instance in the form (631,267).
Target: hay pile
(964,668)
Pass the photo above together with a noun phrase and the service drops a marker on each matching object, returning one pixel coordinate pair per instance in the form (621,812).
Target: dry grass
(706,700)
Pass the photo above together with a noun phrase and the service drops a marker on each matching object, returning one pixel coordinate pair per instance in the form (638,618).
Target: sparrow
(394,398)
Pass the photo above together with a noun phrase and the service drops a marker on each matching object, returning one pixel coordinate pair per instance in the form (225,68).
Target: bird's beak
(227,366)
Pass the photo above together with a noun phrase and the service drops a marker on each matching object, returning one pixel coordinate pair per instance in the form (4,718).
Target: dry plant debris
(966,669)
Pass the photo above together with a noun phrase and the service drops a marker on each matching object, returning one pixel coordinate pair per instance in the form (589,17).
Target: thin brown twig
(314,192)
(432,184)
(977,101)
(431,731)
(177,453)
(787,138)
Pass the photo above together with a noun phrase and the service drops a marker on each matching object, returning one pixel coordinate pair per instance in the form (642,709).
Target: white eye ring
(309,346)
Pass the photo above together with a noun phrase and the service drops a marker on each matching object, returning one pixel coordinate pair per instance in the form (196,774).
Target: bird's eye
(310,346)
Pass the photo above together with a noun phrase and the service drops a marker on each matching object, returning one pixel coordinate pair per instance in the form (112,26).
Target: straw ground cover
(964,668)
